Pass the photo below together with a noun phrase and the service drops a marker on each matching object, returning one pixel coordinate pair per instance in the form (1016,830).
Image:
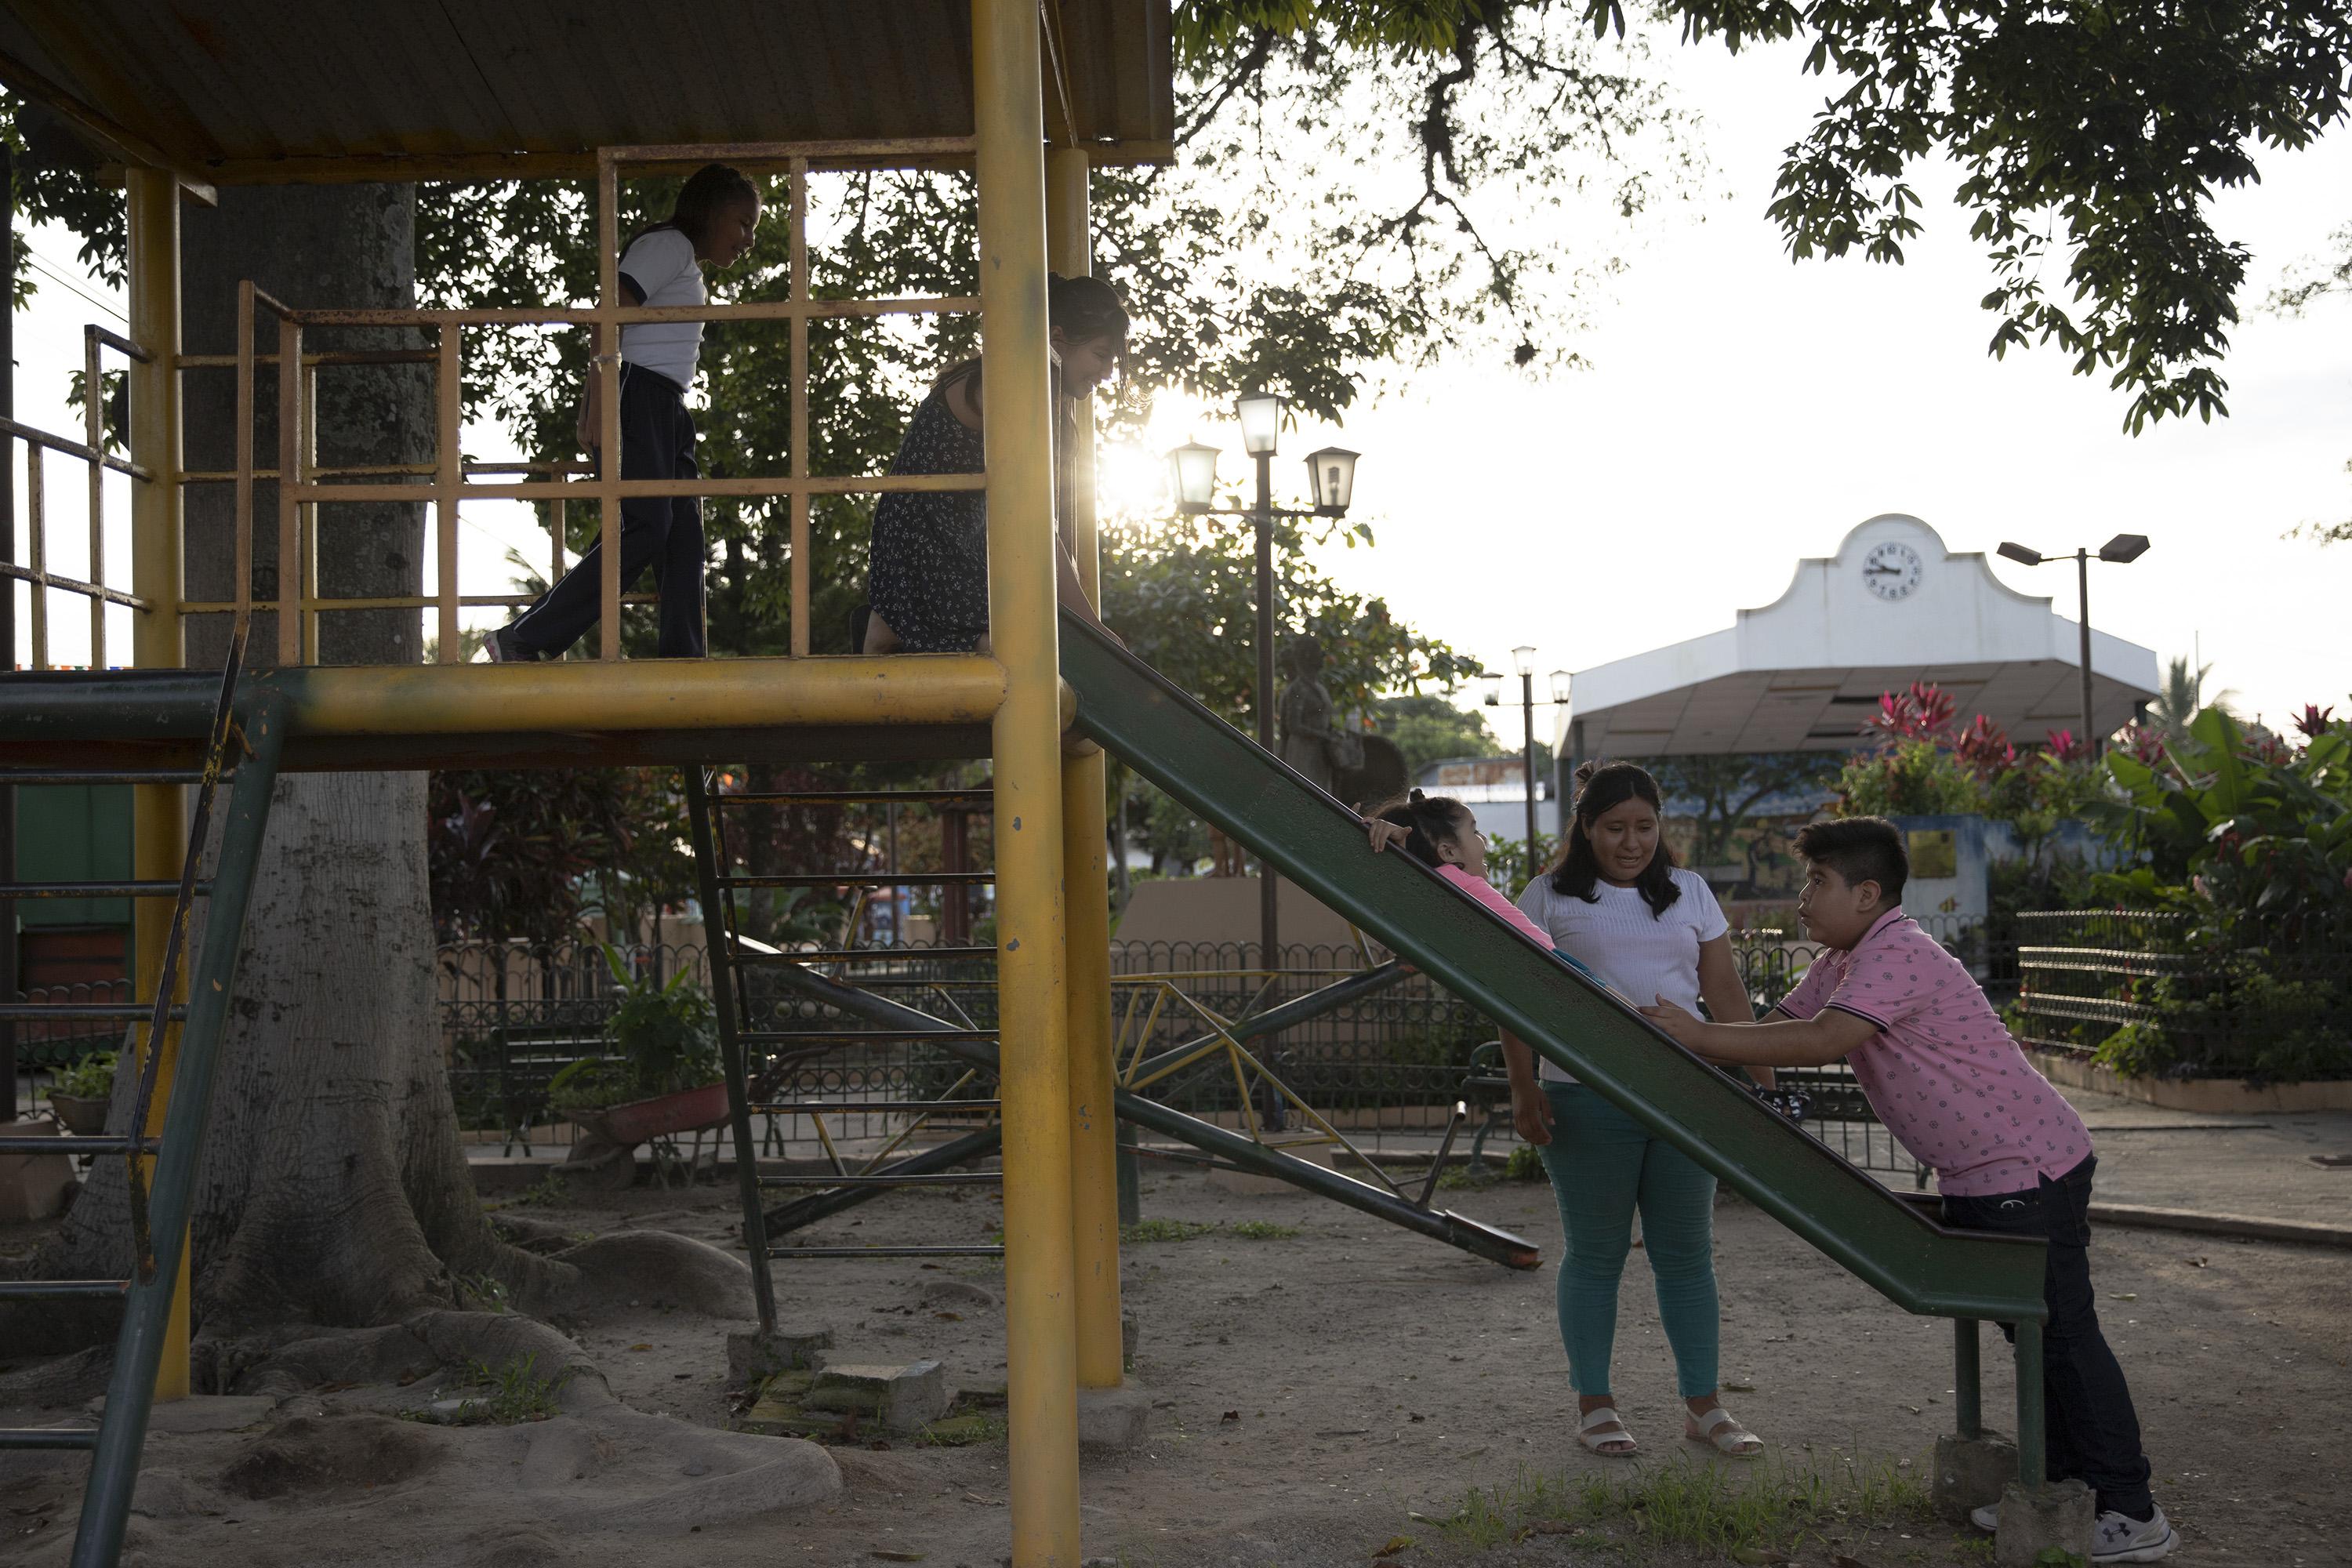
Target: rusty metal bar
(797,183)
(607,370)
(543,490)
(314,470)
(38,437)
(449,391)
(307,459)
(290,502)
(247,295)
(324,356)
(638,315)
(120,344)
(312,605)
(36,554)
(93,416)
(75,585)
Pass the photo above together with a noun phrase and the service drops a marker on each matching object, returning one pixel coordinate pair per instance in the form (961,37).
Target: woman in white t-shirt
(1614,900)
(716,216)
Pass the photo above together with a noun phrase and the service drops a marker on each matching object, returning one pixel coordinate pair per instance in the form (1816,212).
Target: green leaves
(2093,140)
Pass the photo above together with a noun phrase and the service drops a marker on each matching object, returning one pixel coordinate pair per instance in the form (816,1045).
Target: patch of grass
(1525,1164)
(1680,1503)
(1151,1230)
(1264,1230)
(516,1393)
(482,1292)
(549,1192)
(962,1431)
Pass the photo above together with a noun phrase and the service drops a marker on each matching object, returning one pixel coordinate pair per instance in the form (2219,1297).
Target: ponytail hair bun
(1429,820)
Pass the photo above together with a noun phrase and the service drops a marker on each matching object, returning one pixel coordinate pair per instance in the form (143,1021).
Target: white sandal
(1727,1436)
(1603,1443)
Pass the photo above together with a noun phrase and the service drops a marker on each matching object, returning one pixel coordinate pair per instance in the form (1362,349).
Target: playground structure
(1046,102)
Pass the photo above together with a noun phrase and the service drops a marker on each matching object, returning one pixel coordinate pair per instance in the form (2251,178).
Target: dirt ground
(1319,1396)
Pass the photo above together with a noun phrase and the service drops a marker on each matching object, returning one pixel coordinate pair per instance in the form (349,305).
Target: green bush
(666,1037)
(92,1078)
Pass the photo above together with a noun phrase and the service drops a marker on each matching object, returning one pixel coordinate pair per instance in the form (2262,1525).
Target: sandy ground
(1315,1391)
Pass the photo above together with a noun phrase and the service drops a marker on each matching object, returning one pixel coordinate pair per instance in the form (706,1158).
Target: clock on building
(1891,569)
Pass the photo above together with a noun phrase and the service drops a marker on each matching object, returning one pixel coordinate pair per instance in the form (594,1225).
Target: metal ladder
(730,953)
(161,1170)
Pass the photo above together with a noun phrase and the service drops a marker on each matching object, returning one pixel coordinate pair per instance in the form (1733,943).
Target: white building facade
(1806,671)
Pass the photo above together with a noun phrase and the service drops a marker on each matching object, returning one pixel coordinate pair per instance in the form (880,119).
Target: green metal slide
(1319,843)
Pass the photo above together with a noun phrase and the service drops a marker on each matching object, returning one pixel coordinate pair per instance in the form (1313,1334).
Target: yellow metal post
(1086,869)
(1041,1333)
(158,815)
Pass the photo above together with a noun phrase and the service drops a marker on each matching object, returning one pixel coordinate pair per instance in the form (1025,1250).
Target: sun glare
(1131,481)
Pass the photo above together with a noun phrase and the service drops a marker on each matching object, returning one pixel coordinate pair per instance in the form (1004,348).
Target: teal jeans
(1604,1165)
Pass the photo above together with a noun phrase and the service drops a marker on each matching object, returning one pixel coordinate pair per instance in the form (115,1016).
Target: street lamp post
(2122,549)
(1261,420)
(1523,659)
(1524,656)
(1331,481)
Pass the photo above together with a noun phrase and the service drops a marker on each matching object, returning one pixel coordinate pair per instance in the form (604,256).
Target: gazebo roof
(1804,672)
(304,92)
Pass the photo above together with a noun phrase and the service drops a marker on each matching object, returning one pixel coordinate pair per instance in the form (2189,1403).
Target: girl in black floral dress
(927,568)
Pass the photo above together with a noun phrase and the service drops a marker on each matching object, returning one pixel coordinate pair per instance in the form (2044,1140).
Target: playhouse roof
(317,91)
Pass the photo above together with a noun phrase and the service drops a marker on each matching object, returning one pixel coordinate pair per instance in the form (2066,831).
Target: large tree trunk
(333,1189)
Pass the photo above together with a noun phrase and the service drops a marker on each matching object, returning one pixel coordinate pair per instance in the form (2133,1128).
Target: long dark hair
(1086,308)
(707,192)
(1427,818)
(1576,870)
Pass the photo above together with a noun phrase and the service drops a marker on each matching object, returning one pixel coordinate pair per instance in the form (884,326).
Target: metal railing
(448,481)
(92,452)
(2153,992)
(1386,1067)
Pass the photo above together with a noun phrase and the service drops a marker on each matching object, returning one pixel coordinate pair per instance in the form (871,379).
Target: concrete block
(902,1398)
(33,1186)
(2035,1519)
(753,1355)
(1969,1473)
(1112,1420)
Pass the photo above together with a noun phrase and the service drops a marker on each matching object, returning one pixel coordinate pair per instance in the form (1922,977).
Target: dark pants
(661,532)
(2094,1430)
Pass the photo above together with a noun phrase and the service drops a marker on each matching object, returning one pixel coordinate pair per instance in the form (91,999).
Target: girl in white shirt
(718,214)
(1614,900)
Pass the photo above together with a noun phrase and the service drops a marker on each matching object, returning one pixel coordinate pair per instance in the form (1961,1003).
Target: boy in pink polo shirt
(2009,1154)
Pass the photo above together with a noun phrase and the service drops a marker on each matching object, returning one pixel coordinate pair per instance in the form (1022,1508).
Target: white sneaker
(2122,1539)
(1986,1517)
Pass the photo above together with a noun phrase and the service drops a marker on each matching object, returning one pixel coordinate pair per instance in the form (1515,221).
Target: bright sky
(1743,411)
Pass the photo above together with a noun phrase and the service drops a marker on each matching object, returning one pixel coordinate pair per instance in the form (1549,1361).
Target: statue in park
(1306,738)
(1359,769)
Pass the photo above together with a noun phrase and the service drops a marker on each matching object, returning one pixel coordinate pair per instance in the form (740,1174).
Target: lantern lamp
(1331,481)
(1193,474)
(1261,416)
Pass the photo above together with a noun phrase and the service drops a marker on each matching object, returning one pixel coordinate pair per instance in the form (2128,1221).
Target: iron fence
(2154,993)
(1387,1069)
(46,1049)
